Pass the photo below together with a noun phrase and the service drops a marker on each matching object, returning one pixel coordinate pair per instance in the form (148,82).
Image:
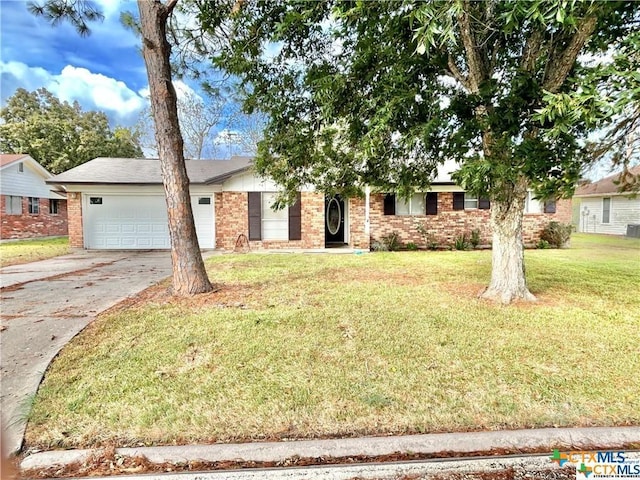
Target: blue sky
(104,71)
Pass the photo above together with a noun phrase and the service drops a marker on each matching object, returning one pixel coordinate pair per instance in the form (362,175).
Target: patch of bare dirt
(222,296)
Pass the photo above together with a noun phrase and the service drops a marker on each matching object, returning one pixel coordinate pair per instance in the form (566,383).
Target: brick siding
(448,224)
(74,207)
(26,225)
(357,236)
(231,218)
(232,221)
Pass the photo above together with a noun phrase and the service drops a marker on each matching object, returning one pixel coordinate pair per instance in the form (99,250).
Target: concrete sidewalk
(429,444)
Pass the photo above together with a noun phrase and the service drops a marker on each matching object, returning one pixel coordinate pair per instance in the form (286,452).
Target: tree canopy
(381,93)
(60,135)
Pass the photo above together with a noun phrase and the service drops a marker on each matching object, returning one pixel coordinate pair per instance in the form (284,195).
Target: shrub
(475,237)
(428,238)
(461,243)
(542,244)
(411,246)
(379,247)
(557,234)
(391,241)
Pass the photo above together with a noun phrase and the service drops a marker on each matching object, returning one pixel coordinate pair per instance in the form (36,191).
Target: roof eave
(219,179)
(603,194)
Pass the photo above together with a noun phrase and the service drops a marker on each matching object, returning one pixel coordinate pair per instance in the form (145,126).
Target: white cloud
(93,91)
(106,93)
(182,91)
(111,7)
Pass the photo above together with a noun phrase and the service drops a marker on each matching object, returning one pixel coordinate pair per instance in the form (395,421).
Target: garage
(126,222)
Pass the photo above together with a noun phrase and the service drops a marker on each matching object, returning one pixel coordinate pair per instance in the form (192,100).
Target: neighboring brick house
(119,203)
(30,208)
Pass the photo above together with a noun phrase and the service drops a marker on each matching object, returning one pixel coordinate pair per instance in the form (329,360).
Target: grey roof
(142,171)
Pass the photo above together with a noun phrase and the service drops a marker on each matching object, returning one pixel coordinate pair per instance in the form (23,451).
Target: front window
(13,205)
(606,209)
(414,206)
(53,206)
(275,223)
(34,205)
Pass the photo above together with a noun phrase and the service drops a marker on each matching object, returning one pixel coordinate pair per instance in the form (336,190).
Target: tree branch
(531,51)
(457,73)
(477,73)
(171,4)
(561,63)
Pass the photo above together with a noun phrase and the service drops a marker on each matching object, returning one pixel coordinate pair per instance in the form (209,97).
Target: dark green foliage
(356,91)
(411,246)
(59,135)
(79,13)
(461,242)
(475,238)
(542,244)
(557,234)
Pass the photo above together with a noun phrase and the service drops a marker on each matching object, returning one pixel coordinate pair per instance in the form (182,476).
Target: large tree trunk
(508,282)
(189,274)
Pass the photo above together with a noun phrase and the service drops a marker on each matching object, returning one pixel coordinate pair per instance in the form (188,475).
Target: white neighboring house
(30,208)
(603,209)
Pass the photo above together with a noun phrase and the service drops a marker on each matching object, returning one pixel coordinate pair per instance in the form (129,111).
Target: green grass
(24,251)
(301,346)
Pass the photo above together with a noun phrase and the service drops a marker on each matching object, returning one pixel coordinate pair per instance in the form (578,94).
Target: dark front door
(334,220)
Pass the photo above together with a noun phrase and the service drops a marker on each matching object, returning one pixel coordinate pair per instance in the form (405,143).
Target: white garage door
(139,222)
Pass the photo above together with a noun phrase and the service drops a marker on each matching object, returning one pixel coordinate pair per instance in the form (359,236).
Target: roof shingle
(606,186)
(7,158)
(141,171)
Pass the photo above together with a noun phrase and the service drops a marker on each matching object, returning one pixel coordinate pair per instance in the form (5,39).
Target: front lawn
(320,345)
(24,251)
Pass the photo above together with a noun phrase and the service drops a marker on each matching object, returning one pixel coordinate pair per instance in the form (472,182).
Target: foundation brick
(448,224)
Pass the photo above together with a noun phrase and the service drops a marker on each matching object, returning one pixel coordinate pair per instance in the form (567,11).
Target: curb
(371,471)
(438,443)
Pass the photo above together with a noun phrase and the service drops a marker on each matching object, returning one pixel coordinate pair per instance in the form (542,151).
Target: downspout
(367,225)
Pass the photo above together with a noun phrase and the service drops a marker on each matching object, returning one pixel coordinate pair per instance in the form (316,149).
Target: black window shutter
(255,216)
(432,203)
(295,220)
(390,204)
(484,203)
(458,200)
(550,206)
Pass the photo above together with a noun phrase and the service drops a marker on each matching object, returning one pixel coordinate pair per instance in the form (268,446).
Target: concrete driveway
(45,304)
